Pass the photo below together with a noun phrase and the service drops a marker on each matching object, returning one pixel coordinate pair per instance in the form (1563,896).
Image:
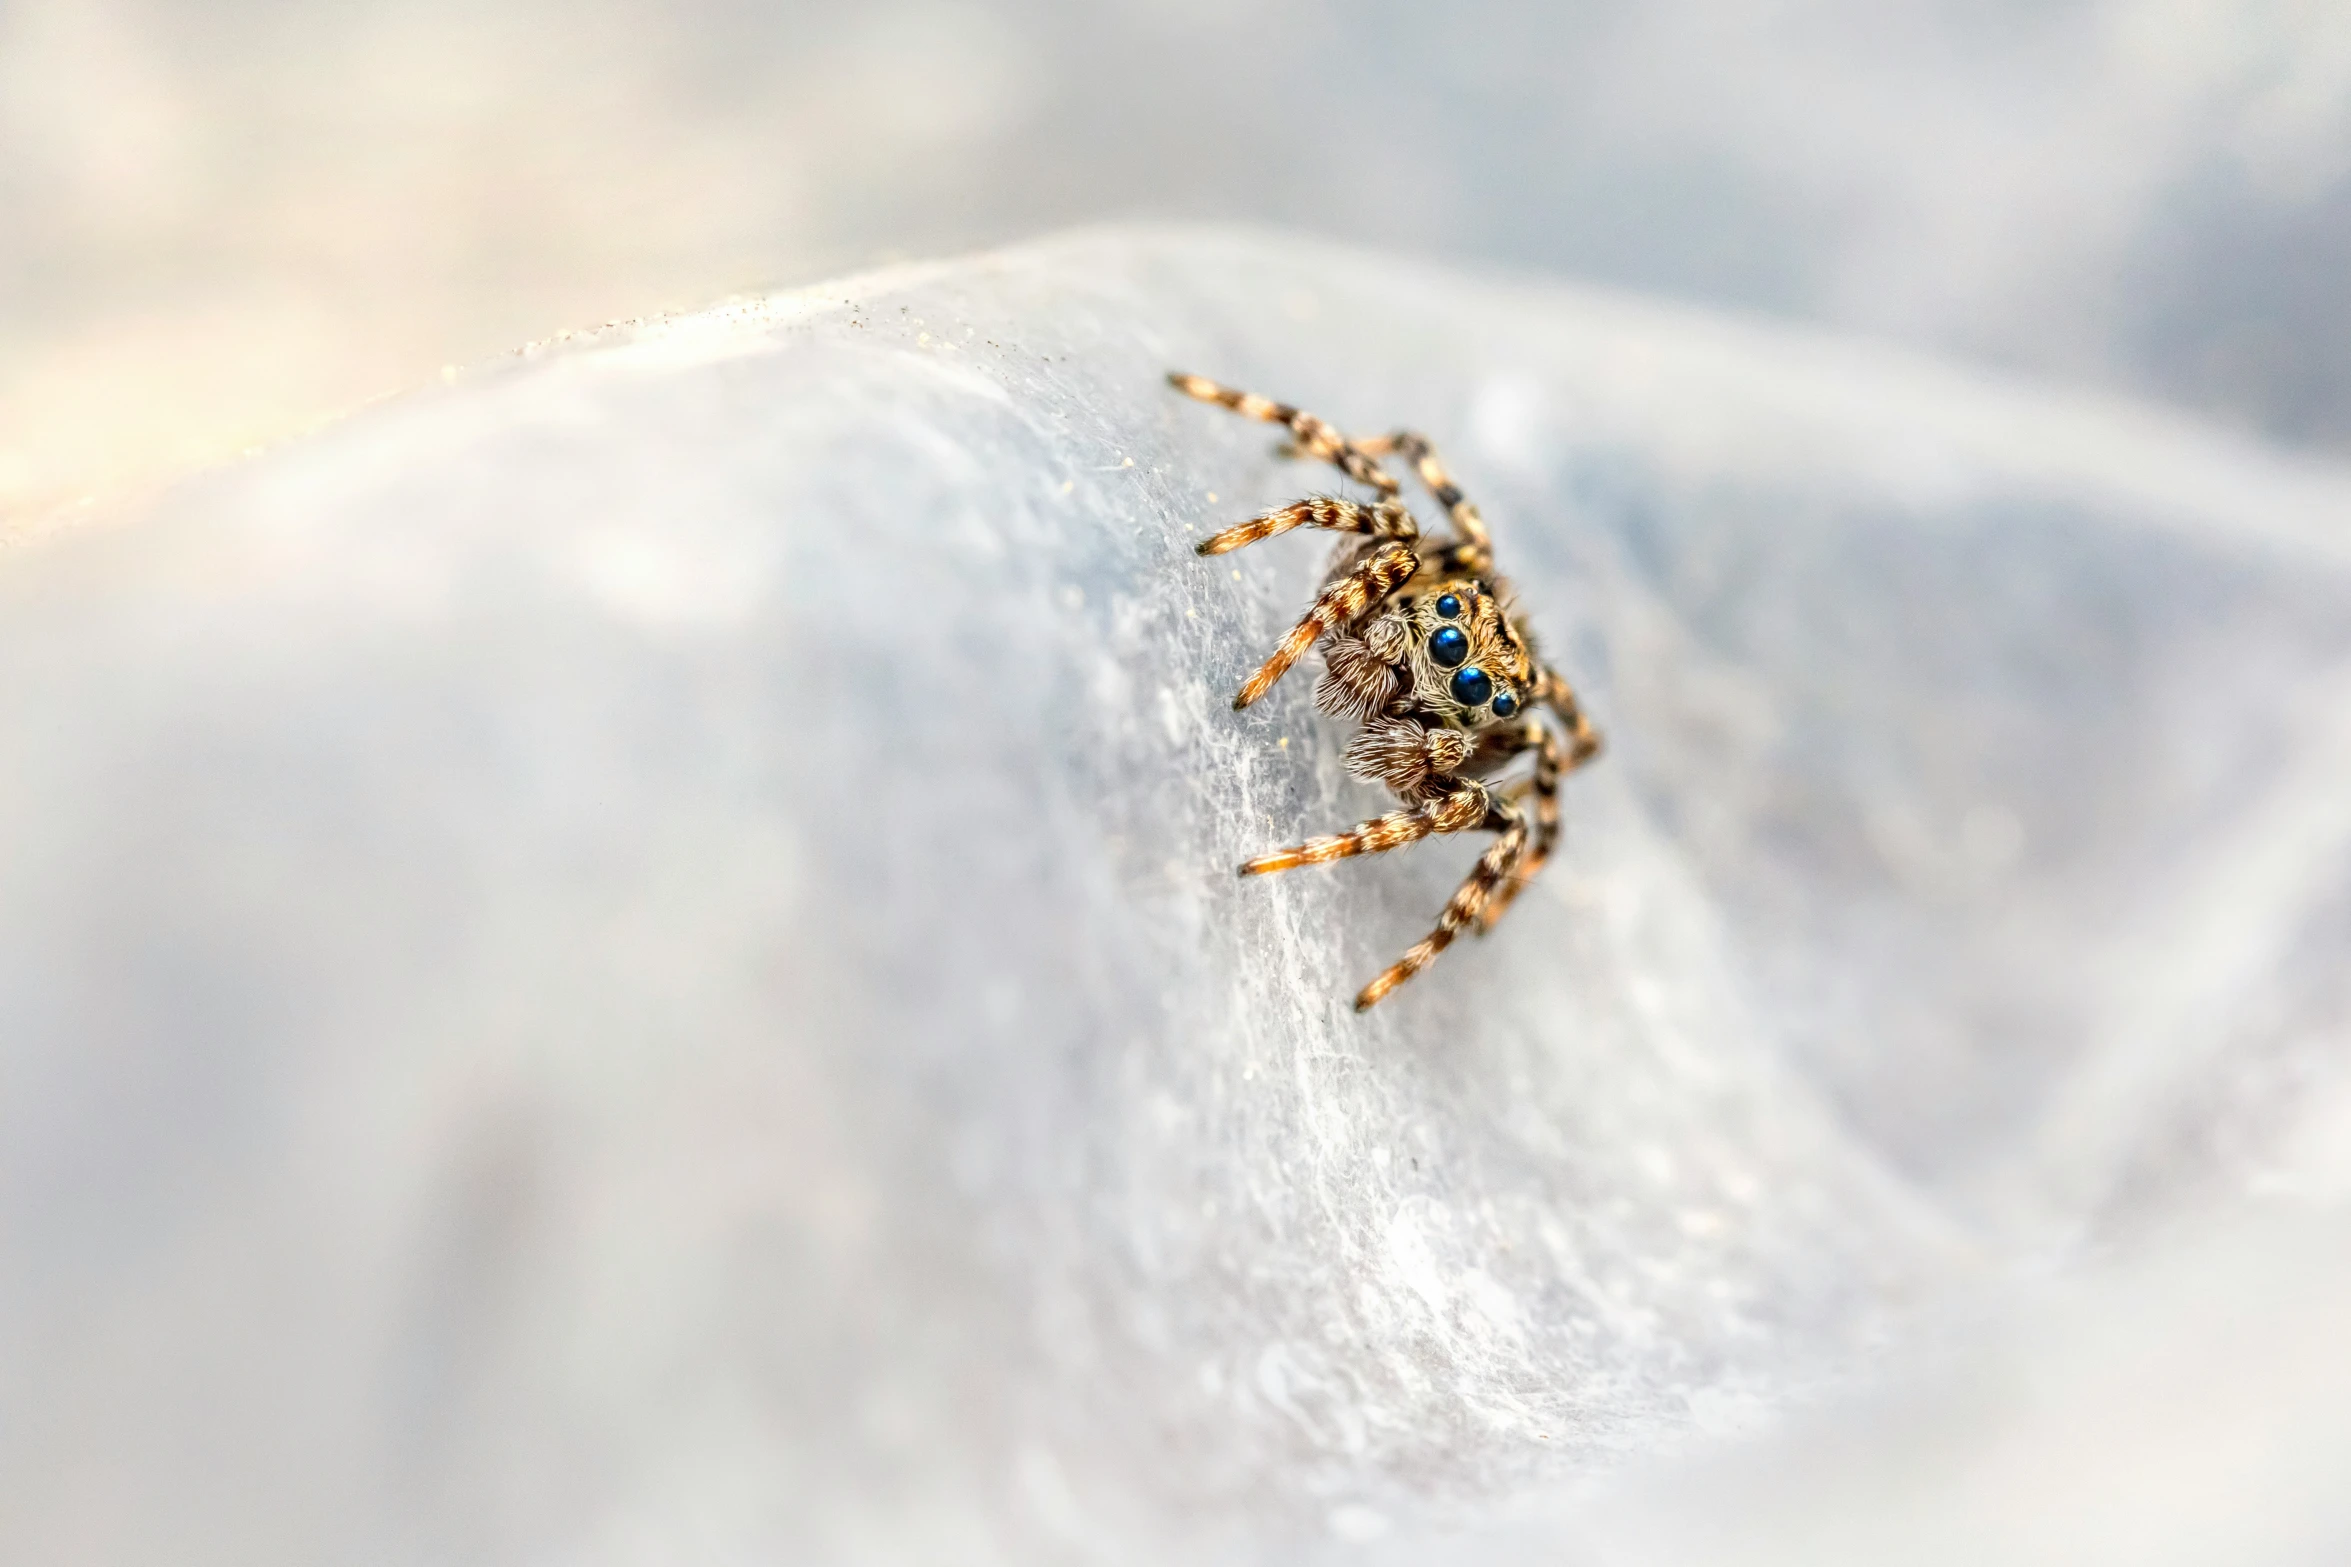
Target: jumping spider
(1419,646)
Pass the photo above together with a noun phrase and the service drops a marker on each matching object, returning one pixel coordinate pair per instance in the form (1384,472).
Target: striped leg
(1387,520)
(1551,761)
(1314,437)
(1414,448)
(1557,695)
(1544,787)
(1466,807)
(1336,608)
(1493,870)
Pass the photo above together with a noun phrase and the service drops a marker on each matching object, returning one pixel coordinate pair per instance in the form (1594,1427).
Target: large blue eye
(1448,606)
(1504,704)
(1449,647)
(1471,687)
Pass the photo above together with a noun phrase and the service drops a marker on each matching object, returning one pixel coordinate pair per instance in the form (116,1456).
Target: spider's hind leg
(1414,448)
(1387,520)
(1493,870)
(1312,437)
(1544,787)
(1556,694)
(1552,760)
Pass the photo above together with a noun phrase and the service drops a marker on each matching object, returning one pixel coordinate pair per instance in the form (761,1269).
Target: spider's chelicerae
(1421,648)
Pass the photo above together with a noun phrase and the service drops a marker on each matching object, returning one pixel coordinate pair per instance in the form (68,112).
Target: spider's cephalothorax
(1420,648)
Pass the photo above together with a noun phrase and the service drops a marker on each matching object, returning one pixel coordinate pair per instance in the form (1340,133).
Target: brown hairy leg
(1557,695)
(1336,608)
(1459,809)
(1544,788)
(1313,437)
(1415,449)
(1387,520)
(1552,761)
(1493,870)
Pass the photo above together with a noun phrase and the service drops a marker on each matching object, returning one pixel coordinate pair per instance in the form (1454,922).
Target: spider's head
(1469,666)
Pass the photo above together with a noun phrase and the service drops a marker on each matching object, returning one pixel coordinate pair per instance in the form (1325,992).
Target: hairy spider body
(1421,648)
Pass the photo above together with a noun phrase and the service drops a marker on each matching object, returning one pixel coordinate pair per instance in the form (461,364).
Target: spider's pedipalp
(1337,607)
(1388,637)
(1406,757)
(1356,682)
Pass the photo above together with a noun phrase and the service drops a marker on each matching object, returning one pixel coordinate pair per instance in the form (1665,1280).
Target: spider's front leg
(1336,608)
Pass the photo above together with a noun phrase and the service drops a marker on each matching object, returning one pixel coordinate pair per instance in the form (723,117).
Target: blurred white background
(449,1110)
(221,222)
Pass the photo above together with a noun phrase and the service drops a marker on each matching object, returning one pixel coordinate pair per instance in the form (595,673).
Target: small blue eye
(1471,687)
(1504,704)
(1448,606)
(1449,647)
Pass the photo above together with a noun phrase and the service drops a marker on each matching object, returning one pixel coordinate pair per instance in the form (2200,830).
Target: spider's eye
(1449,647)
(1471,687)
(1448,605)
(1504,703)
